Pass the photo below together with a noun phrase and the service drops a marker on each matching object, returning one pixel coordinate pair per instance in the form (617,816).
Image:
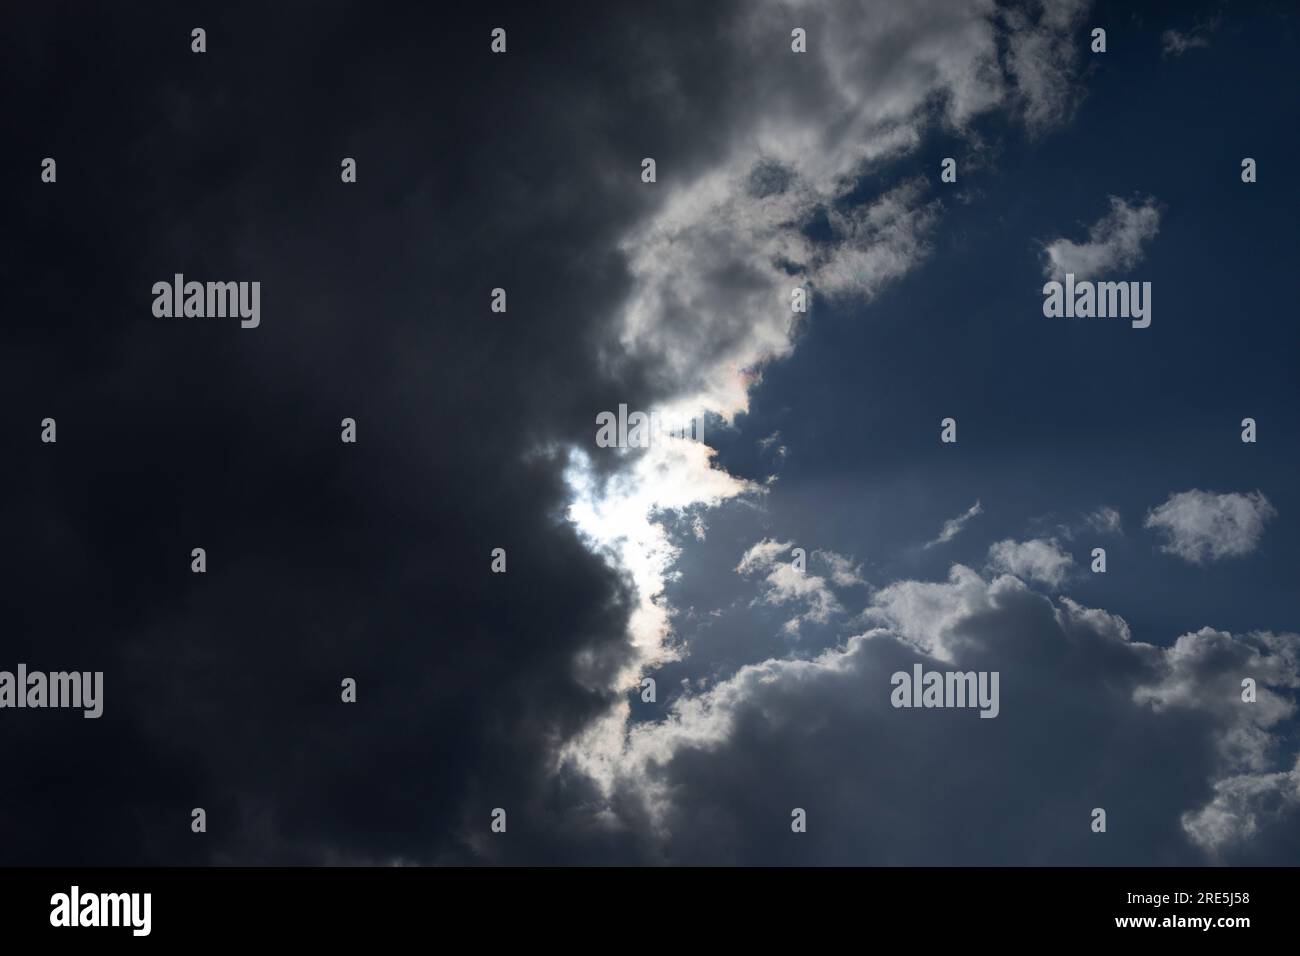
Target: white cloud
(1114,242)
(953,526)
(619,518)
(711,303)
(1040,559)
(1201,526)
(714,268)
(764,555)
(927,614)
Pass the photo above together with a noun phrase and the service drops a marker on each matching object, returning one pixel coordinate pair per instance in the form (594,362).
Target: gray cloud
(1157,736)
(1204,671)
(1042,54)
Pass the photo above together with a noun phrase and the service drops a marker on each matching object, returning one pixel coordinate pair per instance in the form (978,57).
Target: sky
(657,676)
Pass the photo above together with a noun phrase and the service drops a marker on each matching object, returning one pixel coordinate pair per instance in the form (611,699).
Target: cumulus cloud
(1160,722)
(925,614)
(1114,242)
(1203,671)
(1243,806)
(1201,526)
(1040,559)
(953,526)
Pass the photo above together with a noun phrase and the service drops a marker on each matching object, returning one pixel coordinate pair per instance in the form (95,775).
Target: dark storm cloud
(325,560)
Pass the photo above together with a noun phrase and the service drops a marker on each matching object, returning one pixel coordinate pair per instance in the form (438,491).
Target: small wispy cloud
(1177,42)
(1105,520)
(772,443)
(785,584)
(1114,242)
(953,526)
(844,573)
